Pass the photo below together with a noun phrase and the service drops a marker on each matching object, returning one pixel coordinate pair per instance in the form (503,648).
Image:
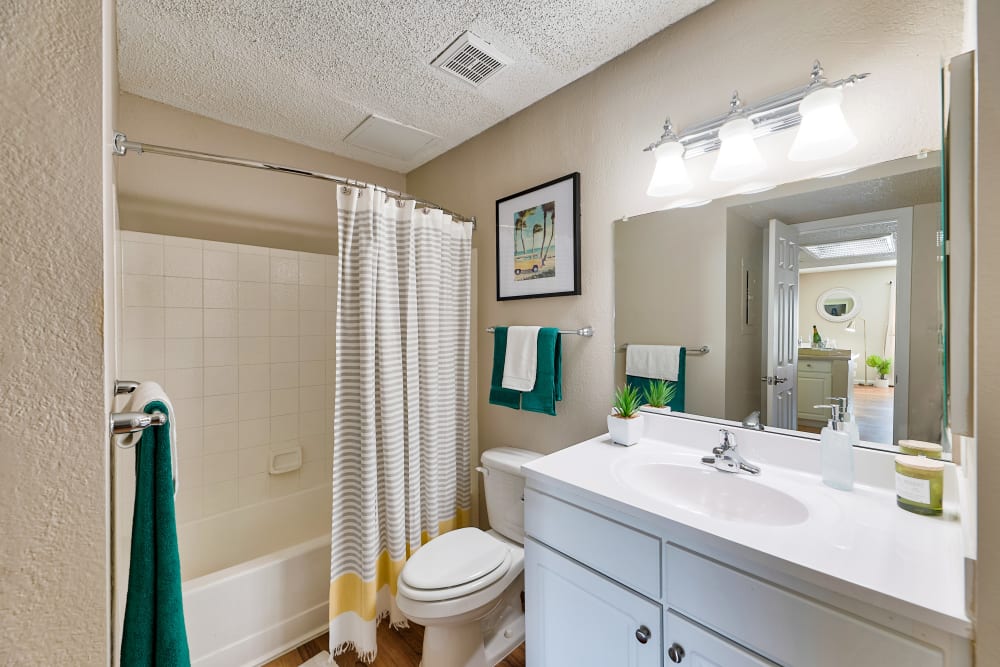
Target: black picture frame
(524,274)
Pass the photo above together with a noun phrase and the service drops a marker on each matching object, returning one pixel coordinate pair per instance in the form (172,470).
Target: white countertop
(858,544)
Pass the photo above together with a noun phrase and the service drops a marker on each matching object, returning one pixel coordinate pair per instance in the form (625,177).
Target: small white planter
(625,431)
(882,384)
(659,411)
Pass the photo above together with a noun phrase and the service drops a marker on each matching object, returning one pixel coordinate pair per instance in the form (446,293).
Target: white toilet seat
(454,565)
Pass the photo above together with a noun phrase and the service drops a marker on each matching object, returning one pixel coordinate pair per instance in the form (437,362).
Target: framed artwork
(538,241)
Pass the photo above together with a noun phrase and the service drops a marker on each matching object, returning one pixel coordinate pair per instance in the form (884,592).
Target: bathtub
(256,579)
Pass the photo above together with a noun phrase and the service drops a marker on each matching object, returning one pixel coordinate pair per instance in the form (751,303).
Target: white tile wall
(242,338)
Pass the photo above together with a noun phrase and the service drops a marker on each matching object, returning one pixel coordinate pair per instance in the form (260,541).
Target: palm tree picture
(528,241)
(529,224)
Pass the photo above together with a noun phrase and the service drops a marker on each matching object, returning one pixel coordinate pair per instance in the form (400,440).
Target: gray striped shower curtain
(401,473)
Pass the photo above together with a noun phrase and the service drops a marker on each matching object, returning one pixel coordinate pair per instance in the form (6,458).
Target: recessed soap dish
(286,460)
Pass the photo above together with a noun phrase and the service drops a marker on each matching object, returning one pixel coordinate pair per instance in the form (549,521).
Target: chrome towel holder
(121,423)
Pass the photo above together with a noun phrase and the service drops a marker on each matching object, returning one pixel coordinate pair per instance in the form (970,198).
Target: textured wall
(53,443)
(599,124)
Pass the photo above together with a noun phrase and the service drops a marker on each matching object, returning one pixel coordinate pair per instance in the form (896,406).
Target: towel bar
(121,423)
(691,349)
(586,332)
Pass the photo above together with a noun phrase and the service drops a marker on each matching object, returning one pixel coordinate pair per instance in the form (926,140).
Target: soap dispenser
(847,417)
(836,451)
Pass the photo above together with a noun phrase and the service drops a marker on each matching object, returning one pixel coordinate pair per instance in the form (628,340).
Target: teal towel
(154,633)
(548,377)
(677,402)
(508,398)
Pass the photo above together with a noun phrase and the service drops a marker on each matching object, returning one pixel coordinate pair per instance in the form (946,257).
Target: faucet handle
(727,440)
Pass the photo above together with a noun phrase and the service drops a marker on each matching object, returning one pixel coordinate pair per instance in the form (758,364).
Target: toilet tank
(504,486)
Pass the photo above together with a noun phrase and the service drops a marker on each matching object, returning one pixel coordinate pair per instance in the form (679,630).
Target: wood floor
(396,648)
(873,412)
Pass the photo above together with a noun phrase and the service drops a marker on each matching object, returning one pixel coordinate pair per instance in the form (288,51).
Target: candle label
(914,490)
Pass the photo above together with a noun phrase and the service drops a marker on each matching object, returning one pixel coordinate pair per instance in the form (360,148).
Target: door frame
(903,217)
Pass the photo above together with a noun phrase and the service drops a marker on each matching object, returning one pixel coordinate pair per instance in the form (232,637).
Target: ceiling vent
(471,59)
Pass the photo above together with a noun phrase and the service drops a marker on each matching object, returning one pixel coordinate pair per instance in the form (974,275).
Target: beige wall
(669,279)
(744,325)
(53,438)
(599,124)
(987,416)
(166,195)
(872,286)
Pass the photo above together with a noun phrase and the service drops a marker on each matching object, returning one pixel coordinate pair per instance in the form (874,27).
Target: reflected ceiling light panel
(670,177)
(880,245)
(824,132)
(739,157)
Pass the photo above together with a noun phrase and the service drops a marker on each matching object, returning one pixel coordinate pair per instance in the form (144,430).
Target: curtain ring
(347,189)
(426,210)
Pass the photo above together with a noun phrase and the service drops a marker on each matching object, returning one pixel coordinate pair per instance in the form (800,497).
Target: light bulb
(738,154)
(670,177)
(824,132)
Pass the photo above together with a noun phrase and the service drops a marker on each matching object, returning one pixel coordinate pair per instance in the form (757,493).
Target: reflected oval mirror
(838,304)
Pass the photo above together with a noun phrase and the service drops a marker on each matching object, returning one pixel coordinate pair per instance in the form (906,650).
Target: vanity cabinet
(604,590)
(815,386)
(579,617)
(820,375)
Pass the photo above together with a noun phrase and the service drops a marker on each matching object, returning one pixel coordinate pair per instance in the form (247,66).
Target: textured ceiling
(311,70)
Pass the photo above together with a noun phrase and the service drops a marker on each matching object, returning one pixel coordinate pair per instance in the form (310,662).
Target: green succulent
(659,393)
(627,402)
(880,364)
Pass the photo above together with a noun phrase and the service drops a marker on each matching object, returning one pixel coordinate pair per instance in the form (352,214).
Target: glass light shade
(670,177)
(824,132)
(738,154)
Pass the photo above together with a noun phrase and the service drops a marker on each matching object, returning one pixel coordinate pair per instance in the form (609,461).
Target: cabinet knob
(643,634)
(675,652)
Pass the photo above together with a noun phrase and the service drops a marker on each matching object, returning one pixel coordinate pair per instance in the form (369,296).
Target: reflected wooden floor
(873,412)
(396,648)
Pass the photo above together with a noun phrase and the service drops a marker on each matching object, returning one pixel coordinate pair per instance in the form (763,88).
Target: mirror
(838,304)
(864,254)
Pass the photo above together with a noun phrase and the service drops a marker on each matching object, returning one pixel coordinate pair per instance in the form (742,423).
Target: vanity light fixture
(825,134)
(739,156)
(670,176)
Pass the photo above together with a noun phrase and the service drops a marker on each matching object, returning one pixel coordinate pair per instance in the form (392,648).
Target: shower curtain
(401,471)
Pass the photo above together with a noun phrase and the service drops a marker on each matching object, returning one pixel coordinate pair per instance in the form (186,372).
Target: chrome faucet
(726,458)
(752,420)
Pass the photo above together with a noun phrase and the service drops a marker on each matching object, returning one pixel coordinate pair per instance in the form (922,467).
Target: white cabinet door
(814,389)
(687,643)
(577,618)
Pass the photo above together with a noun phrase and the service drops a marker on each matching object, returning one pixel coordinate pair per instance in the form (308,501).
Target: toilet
(465,586)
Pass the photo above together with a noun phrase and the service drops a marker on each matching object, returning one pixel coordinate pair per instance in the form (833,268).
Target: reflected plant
(659,393)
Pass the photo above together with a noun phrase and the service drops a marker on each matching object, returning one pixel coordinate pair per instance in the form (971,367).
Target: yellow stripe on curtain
(349,592)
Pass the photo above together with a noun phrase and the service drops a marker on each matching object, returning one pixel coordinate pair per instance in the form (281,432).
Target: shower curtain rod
(122,145)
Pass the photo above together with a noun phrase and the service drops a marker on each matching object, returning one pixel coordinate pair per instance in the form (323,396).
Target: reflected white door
(781,322)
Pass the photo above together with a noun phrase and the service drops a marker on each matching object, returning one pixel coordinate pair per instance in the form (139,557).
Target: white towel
(658,362)
(146,393)
(520,363)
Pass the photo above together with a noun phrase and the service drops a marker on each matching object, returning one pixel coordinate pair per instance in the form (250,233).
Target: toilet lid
(453,559)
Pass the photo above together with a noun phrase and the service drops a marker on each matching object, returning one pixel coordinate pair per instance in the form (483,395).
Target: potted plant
(658,395)
(881,366)
(625,421)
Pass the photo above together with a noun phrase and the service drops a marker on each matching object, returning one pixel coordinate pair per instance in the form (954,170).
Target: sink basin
(709,492)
